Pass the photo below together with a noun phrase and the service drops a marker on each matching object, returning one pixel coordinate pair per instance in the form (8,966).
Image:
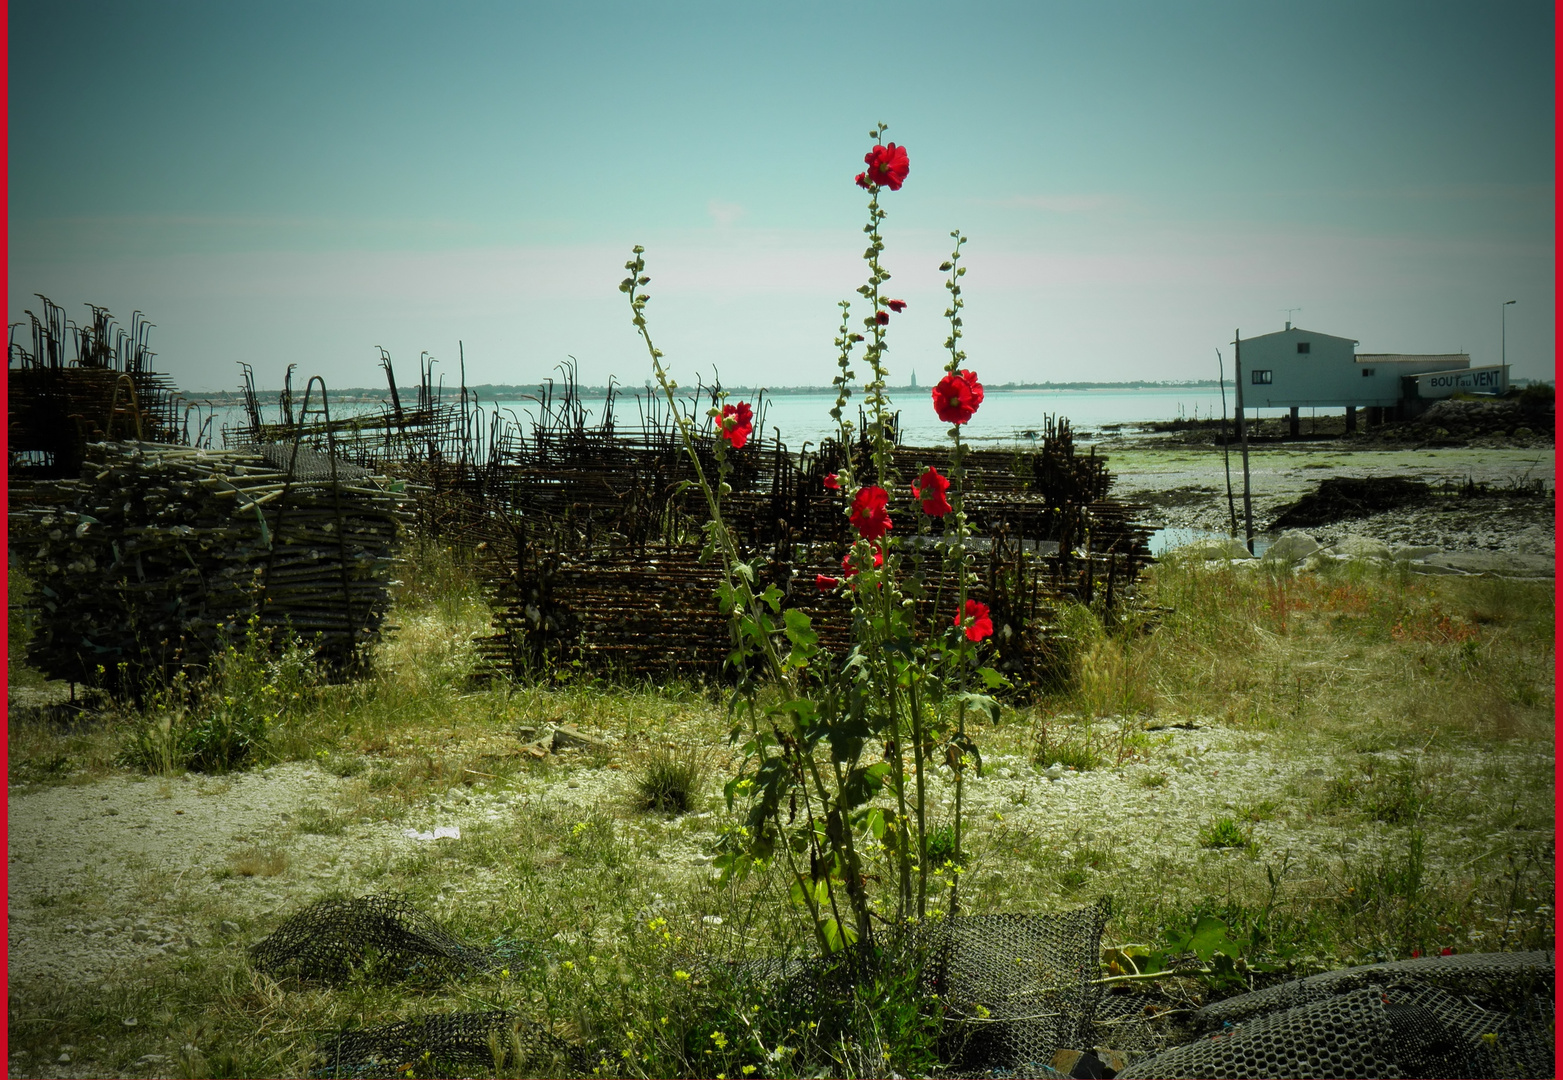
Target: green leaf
(773,596)
(837,937)
(982,702)
(993,680)
(1211,936)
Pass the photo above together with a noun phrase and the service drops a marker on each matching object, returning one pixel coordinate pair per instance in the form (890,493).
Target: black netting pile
(1016,988)
(441,1045)
(1019,995)
(1478,1015)
(382,936)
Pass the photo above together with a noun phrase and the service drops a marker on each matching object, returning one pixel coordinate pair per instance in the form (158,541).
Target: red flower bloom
(737,424)
(957,396)
(881,317)
(825,582)
(871,513)
(862,180)
(896,306)
(1446,951)
(887,166)
(849,570)
(833,482)
(980,625)
(929,489)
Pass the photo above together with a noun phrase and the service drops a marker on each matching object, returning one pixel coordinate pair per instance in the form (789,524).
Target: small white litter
(441,832)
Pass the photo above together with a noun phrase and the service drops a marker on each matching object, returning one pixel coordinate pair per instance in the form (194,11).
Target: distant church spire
(914,380)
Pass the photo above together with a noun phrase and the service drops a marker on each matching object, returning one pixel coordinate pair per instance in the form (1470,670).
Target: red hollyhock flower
(981,626)
(882,317)
(862,180)
(896,306)
(887,166)
(871,513)
(929,489)
(957,396)
(737,424)
(849,570)
(826,582)
(833,482)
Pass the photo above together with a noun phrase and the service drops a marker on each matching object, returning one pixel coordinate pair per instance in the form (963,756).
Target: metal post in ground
(1242,437)
(1226,453)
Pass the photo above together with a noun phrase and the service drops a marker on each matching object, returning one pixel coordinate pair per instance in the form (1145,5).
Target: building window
(1304,346)
(1262,377)
(1367,373)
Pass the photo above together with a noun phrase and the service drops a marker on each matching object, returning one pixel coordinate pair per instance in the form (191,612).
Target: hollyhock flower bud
(896,306)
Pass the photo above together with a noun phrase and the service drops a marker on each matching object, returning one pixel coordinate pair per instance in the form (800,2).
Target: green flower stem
(723,540)
(919,759)
(958,512)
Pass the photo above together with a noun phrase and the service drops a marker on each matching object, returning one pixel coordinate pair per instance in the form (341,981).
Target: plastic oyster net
(1478,1015)
(382,936)
(448,1044)
(1016,988)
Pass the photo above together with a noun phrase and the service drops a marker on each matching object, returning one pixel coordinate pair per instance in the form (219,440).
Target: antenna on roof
(1289,315)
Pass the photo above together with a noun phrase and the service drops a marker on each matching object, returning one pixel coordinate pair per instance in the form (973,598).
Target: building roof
(1299,332)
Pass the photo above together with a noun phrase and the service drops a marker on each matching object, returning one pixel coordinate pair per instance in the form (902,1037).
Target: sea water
(1006,416)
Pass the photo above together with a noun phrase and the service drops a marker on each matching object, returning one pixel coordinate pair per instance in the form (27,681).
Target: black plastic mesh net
(1016,988)
(1478,1015)
(379,936)
(450,1043)
(1019,998)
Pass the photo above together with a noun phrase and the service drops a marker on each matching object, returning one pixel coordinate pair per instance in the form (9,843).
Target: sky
(306,182)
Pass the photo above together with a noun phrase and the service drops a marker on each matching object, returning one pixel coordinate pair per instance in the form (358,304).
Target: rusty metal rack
(108,390)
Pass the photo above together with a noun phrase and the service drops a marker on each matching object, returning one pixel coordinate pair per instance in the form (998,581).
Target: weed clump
(225,721)
(1225,832)
(668,781)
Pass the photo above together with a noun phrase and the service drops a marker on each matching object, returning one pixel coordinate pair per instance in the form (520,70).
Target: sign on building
(1477,380)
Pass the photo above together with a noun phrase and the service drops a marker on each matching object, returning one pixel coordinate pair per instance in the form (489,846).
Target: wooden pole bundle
(161,554)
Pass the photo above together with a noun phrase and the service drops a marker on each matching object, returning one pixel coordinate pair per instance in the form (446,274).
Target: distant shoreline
(510,392)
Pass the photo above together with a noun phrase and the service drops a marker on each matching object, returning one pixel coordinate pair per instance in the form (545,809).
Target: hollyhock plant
(849,570)
(833,482)
(957,397)
(977,623)
(737,424)
(882,318)
(887,167)
(929,489)
(871,513)
(896,306)
(825,583)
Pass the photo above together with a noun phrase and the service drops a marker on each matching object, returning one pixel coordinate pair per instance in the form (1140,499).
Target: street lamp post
(1505,330)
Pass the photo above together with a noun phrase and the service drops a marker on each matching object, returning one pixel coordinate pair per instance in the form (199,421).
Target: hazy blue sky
(301,182)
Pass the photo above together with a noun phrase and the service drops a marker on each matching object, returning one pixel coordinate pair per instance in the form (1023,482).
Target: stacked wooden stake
(160,554)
